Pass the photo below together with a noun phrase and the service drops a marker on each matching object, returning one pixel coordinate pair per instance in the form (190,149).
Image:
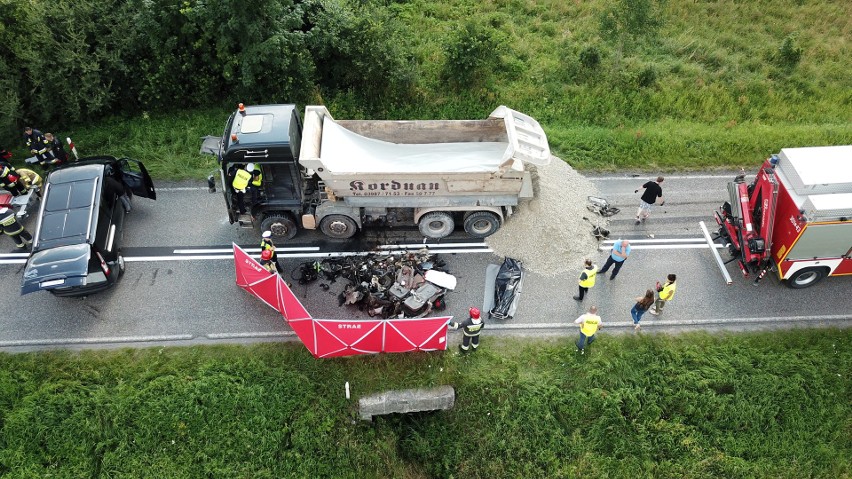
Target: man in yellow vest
(589,325)
(587,279)
(665,293)
(240,183)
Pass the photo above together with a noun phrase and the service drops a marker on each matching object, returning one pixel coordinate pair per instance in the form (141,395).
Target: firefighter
(5,155)
(11,227)
(266,261)
(472,327)
(38,146)
(266,244)
(29,178)
(240,183)
(57,151)
(10,180)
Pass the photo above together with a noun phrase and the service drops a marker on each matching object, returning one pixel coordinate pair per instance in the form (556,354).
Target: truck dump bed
(424,158)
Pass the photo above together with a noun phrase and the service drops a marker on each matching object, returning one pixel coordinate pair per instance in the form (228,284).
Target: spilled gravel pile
(548,233)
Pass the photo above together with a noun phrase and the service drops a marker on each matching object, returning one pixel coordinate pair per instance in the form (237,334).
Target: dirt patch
(548,233)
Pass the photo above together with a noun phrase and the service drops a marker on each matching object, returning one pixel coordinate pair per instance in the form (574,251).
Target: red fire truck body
(795,218)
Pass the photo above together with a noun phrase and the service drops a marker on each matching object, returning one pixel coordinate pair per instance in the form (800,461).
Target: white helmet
(250,167)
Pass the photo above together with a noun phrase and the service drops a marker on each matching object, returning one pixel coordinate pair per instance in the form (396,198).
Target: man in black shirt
(653,190)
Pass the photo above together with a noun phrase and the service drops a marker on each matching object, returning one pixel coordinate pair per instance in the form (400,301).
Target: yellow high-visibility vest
(668,291)
(591,274)
(590,324)
(257,180)
(241,179)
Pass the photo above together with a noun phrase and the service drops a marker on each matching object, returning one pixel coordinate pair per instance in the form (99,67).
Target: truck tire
(281,225)
(806,277)
(436,225)
(481,224)
(338,226)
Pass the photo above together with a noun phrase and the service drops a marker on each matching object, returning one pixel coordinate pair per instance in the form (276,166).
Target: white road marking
(13,261)
(247,250)
(141,259)
(668,246)
(659,240)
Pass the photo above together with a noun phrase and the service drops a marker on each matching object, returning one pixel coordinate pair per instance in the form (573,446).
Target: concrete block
(405,401)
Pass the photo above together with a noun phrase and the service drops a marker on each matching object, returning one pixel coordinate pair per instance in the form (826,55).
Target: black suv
(76,246)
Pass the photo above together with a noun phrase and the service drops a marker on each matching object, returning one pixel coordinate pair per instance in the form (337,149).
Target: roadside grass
(696,405)
(714,85)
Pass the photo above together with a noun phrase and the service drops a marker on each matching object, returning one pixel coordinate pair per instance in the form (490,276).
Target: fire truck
(794,219)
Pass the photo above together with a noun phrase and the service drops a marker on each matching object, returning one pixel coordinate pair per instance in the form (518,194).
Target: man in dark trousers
(653,190)
(472,327)
(266,244)
(587,279)
(619,252)
(11,227)
(38,146)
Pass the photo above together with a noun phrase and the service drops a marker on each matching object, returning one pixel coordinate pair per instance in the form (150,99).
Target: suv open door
(136,177)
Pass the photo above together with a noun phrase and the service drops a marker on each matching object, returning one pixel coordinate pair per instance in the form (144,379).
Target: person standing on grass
(587,279)
(619,252)
(643,303)
(653,190)
(589,323)
(665,293)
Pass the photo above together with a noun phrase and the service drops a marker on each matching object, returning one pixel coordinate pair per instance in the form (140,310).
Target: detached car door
(136,177)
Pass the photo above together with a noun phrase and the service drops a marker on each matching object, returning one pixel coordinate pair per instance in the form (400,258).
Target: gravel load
(548,233)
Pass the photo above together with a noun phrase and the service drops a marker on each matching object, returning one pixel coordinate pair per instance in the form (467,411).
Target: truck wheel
(437,225)
(806,277)
(481,224)
(338,226)
(280,224)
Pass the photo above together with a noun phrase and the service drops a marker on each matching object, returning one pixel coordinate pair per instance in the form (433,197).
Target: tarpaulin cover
(327,338)
(507,289)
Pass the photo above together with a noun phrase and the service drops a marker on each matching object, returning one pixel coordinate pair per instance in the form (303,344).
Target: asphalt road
(179,287)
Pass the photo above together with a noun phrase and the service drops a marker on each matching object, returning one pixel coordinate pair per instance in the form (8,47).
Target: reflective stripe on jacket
(591,274)
(470,326)
(241,179)
(265,244)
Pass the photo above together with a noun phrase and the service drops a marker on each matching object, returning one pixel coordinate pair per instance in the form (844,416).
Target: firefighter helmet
(474,313)
(266,255)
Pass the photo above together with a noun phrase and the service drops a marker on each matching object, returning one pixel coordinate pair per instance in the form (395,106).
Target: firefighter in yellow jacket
(471,327)
(11,227)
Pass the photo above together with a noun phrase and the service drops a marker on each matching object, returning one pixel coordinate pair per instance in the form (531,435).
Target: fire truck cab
(795,218)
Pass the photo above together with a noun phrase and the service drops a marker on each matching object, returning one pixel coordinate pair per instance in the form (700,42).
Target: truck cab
(267,137)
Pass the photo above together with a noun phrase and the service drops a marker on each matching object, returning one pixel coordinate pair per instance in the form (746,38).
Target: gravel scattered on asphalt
(548,233)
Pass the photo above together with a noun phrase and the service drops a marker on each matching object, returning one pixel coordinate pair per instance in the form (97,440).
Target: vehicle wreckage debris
(399,285)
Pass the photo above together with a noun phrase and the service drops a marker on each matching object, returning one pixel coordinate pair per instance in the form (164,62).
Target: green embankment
(625,84)
(692,406)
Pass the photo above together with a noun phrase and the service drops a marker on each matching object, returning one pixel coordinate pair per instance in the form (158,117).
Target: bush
(590,57)
(472,51)
(789,54)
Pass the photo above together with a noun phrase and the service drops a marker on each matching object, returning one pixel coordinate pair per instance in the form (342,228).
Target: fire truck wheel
(280,224)
(436,225)
(806,277)
(481,224)
(338,226)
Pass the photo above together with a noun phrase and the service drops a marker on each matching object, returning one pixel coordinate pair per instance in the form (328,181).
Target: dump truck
(341,176)
(794,218)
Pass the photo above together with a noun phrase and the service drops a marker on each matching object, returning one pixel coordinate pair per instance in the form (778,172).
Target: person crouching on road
(472,327)
(266,244)
(10,226)
(587,279)
(643,303)
(589,325)
(665,293)
(266,261)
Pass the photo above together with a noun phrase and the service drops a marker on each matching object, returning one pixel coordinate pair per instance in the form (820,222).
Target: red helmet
(266,254)
(474,313)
